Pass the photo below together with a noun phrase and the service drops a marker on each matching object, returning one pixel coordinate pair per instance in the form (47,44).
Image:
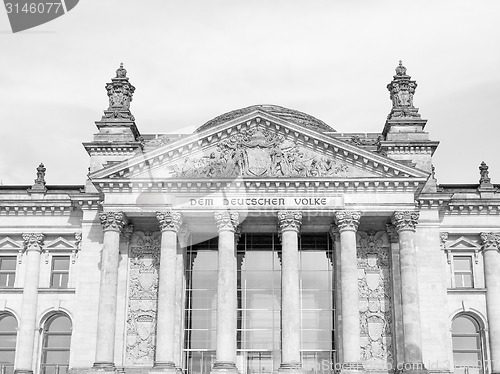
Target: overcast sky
(193,60)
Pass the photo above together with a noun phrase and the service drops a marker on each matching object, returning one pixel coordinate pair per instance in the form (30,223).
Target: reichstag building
(264,242)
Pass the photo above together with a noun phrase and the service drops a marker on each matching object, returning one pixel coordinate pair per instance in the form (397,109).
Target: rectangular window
(462,271)
(60,272)
(7,271)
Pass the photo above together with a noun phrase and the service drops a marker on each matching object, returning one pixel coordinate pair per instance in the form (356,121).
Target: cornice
(50,206)
(111,148)
(409,147)
(263,185)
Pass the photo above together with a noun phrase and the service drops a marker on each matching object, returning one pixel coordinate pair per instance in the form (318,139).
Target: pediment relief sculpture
(258,152)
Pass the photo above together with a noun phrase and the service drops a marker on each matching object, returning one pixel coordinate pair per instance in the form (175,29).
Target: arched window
(467,345)
(56,345)
(8,335)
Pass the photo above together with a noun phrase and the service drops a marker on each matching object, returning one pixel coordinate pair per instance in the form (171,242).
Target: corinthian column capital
(226,220)
(491,240)
(113,221)
(169,221)
(347,219)
(33,241)
(405,220)
(289,220)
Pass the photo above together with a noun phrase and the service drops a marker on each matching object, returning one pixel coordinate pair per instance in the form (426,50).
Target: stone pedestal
(165,320)
(112,223)
(347,223)
(491,246)
(405,223)
(289,224)
(27,324)
(227,301)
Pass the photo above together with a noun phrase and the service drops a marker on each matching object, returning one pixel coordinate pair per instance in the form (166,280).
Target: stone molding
(392,233)
(126,233)
(405,220)
(347,220)
(289,220)
(169,221)
(33,241)
(226,220)
(112,221)
(490,240)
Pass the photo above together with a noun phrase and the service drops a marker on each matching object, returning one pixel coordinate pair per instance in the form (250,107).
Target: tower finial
(483,172)
(120,93)
(39,185)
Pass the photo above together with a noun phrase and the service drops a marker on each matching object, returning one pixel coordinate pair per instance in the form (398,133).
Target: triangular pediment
(60,244)
(7,244)
(257,145)
(464,244)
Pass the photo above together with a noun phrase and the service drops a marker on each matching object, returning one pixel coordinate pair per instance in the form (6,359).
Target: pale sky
(191,61)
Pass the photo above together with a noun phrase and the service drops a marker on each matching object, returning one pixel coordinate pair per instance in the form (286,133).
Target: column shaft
(347,223)
(491,243)
(227,301)
(106,315)
(165,319)
(405,223)
(27,325)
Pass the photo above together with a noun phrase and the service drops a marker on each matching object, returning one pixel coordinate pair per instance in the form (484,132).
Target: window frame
(47,333)
(14,272)
(5,314)
(472,271)
(60,272)
(481,350)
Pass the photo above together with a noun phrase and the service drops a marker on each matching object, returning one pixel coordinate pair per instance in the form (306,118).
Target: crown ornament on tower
(401,90)
(120,93)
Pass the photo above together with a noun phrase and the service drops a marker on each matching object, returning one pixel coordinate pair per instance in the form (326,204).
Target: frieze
(258,152)
(143,295)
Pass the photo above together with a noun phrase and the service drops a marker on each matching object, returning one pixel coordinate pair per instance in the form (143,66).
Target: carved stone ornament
(491,240)
(226,220)
(143,294)
(112,221)
(405,220)
(392,233)
(483,171)
(169,221)
(126,233)
(258,152)
(347,219)
(443,237)
(120,93)
(33,241)
(289,220)
(40,175)
(78,246)
(401,90)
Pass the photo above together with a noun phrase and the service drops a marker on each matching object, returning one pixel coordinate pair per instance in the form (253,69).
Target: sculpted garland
(256,153)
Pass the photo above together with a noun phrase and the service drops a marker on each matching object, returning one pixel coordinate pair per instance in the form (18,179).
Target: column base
(224,367)
(164,368)
(103,366)
(23,371)
(293,367)
(413,368)
(352,368)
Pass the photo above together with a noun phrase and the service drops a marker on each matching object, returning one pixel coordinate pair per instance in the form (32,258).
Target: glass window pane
(59,323)
(314,299)
(8,263)
(316,280)
(7,357)
(203,299)
(8,341)
(56,357)
(258,260)
(60,263)
(314,260)
(466,280)
(8,324)
(257,279)
(464,325)
(204,279)
(317,319)
(57,341)
(466,359)
(205,260)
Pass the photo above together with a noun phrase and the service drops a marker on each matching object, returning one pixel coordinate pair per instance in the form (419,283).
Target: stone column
(491,246)
(112,224)
(227,300)
(27,325)
(406,223)
(347,223)
(165,319)
(289,227)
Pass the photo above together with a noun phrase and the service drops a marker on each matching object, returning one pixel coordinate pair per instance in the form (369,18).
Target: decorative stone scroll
(289,220)
(169,221)
(258,152)
(347,219)
(406,220)
(226,220)
(143,295)
(112,221)
(33,241)
(392,232)
(491,240)
(375,298)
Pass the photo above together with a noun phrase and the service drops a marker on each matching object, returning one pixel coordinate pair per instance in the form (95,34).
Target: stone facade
(104,266)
